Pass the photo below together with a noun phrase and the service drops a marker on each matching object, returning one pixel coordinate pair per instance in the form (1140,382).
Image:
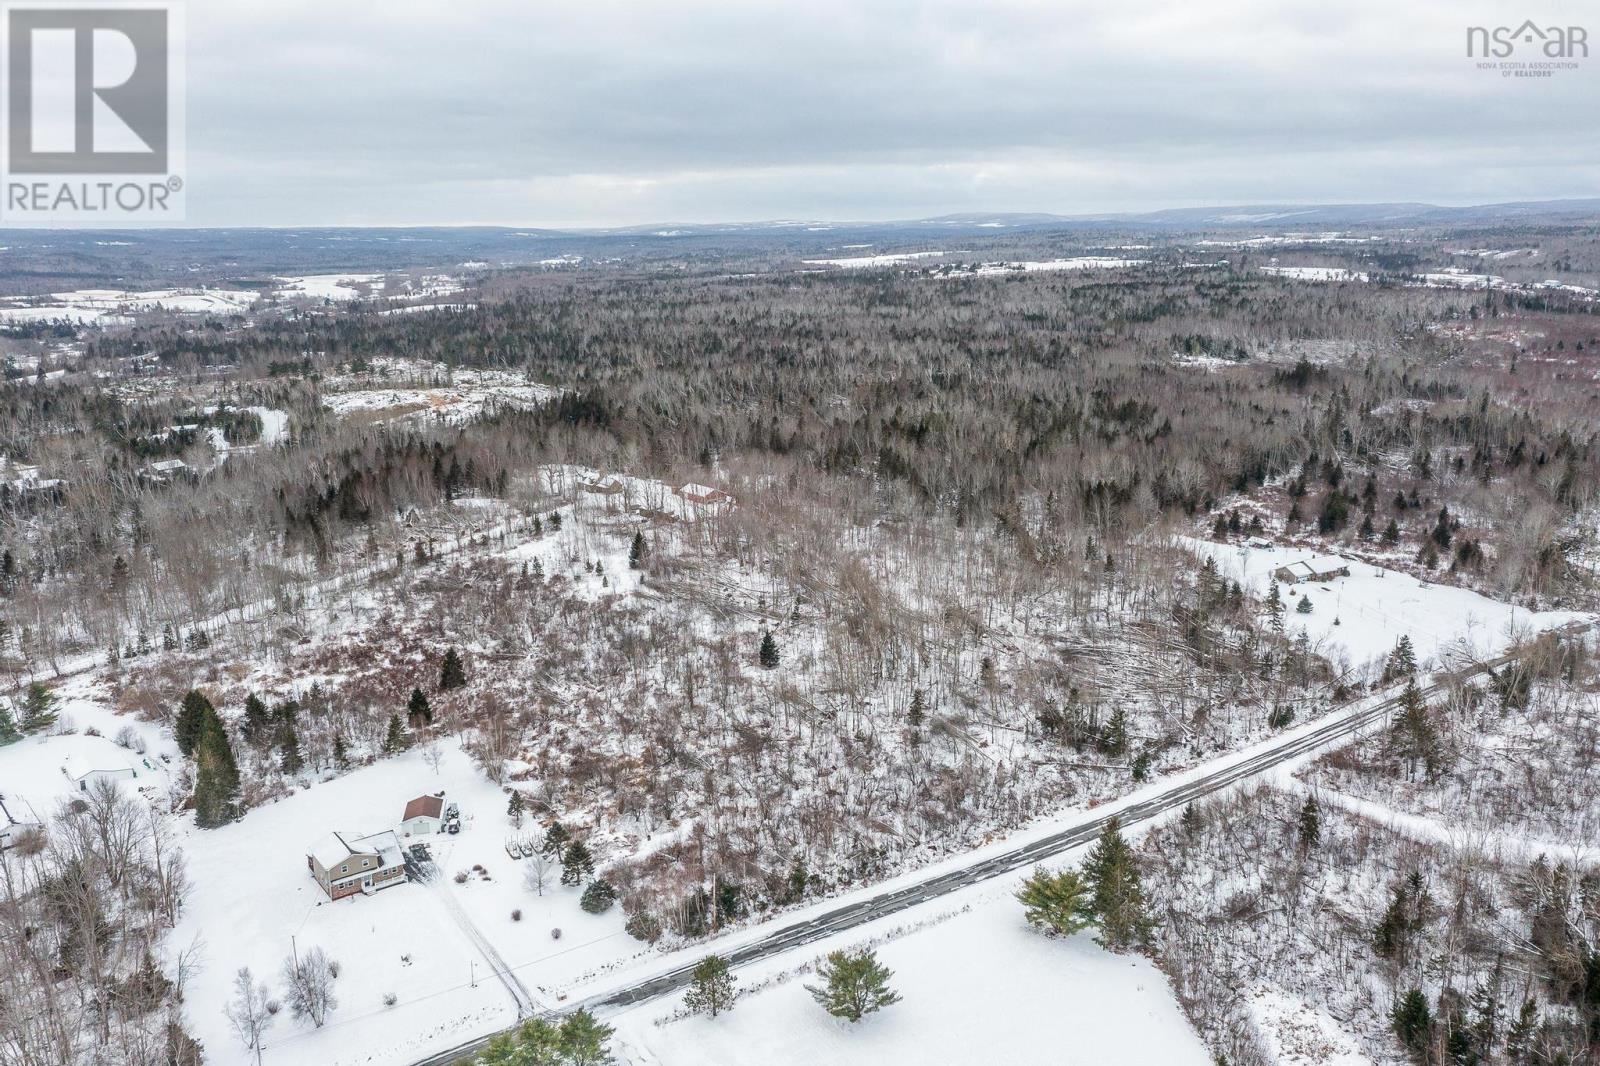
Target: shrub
(390,999)
(516,915)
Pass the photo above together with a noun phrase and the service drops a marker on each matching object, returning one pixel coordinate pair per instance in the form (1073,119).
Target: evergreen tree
(257,720)
(1058,902)
(395,740)
(855,984)
(711,989)
(556,839)
(1310,824)
(1413,737)
(918,714)
(1402,660)
(216,774)
(1117,891)
(341,753)
(38,709)
(1413,1022)
(191,716)
(9,733)
(289,750)
(418,711)
(576,863)
(1274,608)
(584,1041)
(637,552)
(452,674)
(1114,737)
(598,897)
(799,880)
(514,808)
(1304,607)
(1189,820)
(769,650)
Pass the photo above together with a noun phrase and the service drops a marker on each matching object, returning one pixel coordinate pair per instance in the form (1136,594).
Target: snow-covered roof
(337,847)
(330,851)
(1316,566)
(693,489)
(78,765)
(386,844)
(168,464)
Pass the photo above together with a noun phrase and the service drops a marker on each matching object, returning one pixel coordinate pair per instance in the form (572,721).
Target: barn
(424,816)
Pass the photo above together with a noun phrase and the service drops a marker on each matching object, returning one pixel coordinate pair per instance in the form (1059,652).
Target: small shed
(1317,568)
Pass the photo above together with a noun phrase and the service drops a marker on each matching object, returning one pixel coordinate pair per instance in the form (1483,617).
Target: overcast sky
(602,112)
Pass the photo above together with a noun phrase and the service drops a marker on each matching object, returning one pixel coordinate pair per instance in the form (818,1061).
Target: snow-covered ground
(977,989)
(1367,612)
(456,403)
(114,306)
(252,893)
(857,262)
(1082,262)
(1315,273)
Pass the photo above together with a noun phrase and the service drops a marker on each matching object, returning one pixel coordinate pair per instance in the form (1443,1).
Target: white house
(83,770)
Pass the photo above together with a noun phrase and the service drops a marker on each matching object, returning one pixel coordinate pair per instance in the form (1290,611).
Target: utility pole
(472,966)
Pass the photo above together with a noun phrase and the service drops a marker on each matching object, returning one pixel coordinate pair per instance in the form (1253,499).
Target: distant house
(701,493)
(344,864)
(164,471)
(610,485)
(84,771)
(17,820)
(427,815)
(1318,568)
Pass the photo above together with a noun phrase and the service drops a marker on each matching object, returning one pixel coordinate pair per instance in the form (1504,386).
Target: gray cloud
(615,113)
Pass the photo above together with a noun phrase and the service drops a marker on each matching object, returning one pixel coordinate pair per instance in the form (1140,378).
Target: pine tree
(395,740)
(1402,661)
(452,674)
(556,839)
(598,897)
(1189,820)
(1413,1022)
(341,752)
(514,808)
(711,989)
(584,1041)
(1413,737)
(576,864)
(1274,608)
(9,733)
(289,751)
(1304,607)
(216,774)
(191,716)
(1058,902)
(769,650)
(1310,824)
(918,714)
(637,552)
(855,984)
(257,720)
(38,709)
(418,711)
(1114,737)
(1112,873)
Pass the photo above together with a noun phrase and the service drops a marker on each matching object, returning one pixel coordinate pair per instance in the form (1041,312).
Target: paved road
(892,902)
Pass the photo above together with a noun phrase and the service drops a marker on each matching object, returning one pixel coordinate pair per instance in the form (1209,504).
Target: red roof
(423,807)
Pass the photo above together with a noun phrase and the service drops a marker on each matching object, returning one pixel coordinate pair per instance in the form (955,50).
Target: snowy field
(1366,613)
(858,262)
(114,306)
(978,989)
(1082,262)
(420,942)
(455,404)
